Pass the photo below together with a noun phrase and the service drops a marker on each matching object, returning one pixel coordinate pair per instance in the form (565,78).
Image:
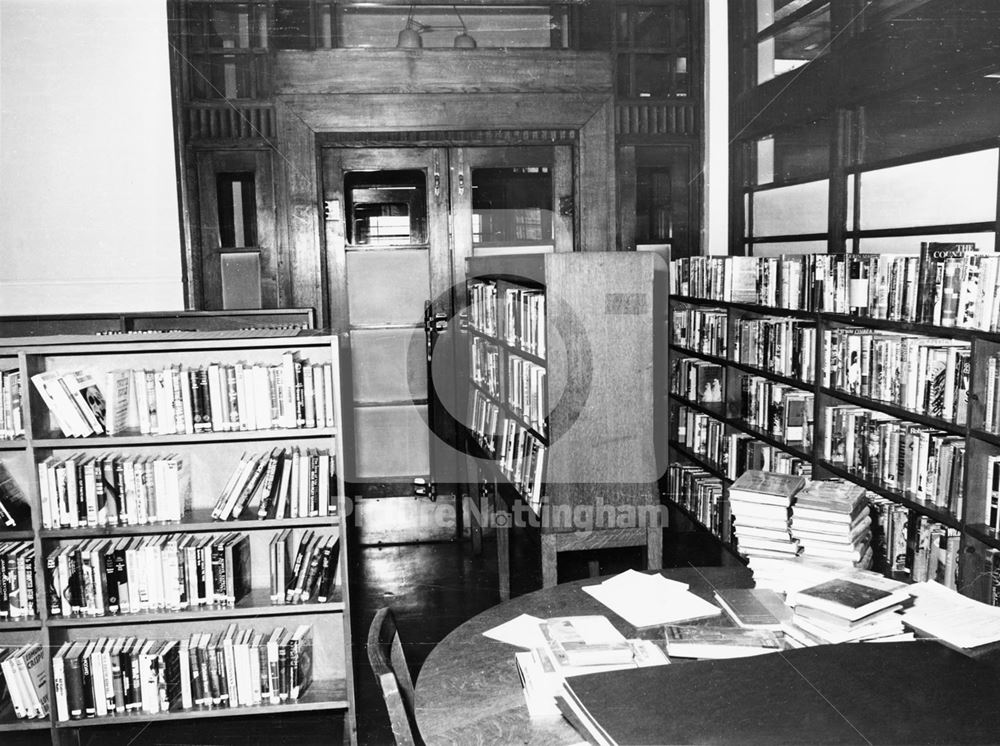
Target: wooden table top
(469,692)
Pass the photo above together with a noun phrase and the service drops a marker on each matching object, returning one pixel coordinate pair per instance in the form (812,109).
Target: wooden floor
(431,588)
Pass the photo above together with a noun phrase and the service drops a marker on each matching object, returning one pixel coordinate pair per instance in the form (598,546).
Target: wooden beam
(406,71)
(380,112)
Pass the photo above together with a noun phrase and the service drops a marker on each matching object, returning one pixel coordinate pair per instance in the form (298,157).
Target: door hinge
(424,488)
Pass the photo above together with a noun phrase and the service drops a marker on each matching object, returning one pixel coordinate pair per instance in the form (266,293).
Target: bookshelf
(840,394)
(206,462)
(561,405)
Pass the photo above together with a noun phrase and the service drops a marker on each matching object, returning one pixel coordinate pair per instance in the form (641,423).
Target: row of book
(782,346)
(132,575)
(926,375)
(702,434)
(703,330)
(926,463)
(486,365)
(483,307)
(228,669)
(523,315)
(731,452)
(526,391)
(17,581)
(515,315)
(701,494)
(306,572)
(992,517)
(520,455)
(23,671)
(781,410)
(745,452)
(945,284)
(81,490)
(991,403)
(916,547)
(698,380)
(11,412)
(285,483)
(176,399)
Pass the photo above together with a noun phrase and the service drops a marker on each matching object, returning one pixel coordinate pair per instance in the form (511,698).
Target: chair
(385,653)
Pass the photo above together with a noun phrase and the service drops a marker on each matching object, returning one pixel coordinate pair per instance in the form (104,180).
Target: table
(468,690)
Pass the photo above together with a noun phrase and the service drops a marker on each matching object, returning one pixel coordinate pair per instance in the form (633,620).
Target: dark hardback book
(719,642)
(754,608)
(74,681)
(238,568)
(853,597)
(753,483)
(907,692)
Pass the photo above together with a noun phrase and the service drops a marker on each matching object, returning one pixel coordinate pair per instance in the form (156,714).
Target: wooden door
(390,266)
(399,224)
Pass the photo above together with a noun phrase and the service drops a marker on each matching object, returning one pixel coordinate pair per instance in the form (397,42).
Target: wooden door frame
(344,91)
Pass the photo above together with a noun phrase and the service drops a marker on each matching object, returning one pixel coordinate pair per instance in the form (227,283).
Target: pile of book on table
(831,520)
(760,503)
(572,646)
(852,607)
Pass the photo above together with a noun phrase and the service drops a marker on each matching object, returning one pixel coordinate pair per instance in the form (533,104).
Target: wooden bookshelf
(597,402)
(210,458)
(979,551)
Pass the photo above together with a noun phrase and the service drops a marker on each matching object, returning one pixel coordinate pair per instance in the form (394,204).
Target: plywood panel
(387,287)
(391,441)
(601,306)
(389,365)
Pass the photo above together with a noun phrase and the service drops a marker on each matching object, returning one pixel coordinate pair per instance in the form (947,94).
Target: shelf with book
(168,487)
(321,696)
(699,461)
(51,440)
(560,346)
(900,367)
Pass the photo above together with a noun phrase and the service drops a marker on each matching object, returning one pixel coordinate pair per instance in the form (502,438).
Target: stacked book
(831,520)
(851,607)
(760,503)
(231,668)
(571,646)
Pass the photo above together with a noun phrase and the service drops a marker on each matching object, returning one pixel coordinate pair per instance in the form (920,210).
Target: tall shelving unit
(210,458)
(968,517)
(595,421)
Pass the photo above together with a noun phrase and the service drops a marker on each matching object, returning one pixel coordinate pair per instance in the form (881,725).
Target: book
(585,641)
(719,642)
(754,608)
(756,486)
(852,596)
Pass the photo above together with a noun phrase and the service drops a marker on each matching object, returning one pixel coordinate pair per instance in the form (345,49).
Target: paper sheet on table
(648,600)
(522,631)
(949,616)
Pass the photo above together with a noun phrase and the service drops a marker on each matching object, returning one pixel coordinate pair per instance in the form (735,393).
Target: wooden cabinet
(207,458)
(561,411)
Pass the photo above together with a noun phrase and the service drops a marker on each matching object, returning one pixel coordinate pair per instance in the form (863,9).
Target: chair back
(385,653)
